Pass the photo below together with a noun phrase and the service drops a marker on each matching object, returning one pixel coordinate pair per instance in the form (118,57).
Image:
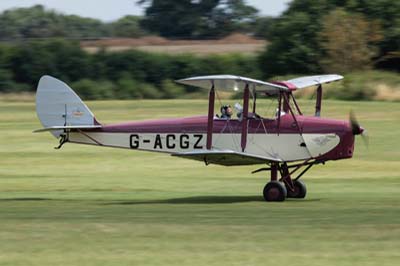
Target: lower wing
(226,157)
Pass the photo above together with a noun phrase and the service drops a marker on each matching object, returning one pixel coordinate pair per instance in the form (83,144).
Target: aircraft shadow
(195,200)
(185,200)
(204,200)
(25,199)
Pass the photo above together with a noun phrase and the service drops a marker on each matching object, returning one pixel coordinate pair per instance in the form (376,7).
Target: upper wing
(231,82)
(226,157)
(304,82)
(236,83)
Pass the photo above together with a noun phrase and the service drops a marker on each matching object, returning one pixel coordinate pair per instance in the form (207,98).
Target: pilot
(277,112)
(226,112)
(239,111)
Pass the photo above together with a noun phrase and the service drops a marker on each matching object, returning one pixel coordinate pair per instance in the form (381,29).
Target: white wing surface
(304,82)
(231,82)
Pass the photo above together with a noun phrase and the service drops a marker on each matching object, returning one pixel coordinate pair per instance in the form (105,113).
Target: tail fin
(58,106)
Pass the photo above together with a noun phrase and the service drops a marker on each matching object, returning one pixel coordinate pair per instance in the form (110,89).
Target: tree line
(172,19)
(38,22)
(310,37)
(103,75)
(140,75)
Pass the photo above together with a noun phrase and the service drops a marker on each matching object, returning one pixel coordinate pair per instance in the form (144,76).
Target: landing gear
(285,187)
(275,191)
(298,191)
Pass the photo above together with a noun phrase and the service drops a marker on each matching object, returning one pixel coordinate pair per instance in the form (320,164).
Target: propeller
(357,129)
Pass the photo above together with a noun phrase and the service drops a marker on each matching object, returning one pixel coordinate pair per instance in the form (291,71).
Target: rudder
(58,105)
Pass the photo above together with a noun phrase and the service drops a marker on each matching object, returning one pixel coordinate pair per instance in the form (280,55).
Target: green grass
(99,206)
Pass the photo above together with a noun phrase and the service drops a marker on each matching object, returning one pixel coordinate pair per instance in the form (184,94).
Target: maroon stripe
(199,125)
(286,84)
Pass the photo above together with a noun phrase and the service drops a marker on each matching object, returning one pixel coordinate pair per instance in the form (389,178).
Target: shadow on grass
(25,199)
(195,200)
(205,200)
(185,200)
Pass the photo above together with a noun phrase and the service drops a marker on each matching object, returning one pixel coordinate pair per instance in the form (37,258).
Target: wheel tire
(300,190)
(274,191)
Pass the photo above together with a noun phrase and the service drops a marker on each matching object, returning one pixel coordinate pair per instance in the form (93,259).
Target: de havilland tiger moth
(285,143)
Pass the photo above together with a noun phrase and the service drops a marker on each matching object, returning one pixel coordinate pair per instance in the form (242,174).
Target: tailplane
(59,107)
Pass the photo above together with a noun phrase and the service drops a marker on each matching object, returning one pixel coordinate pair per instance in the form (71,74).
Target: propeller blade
(355,126)
(357,129)
(365,138)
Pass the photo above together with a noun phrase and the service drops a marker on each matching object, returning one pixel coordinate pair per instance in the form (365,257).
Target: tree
(38,22)
(295,35)
(263,26)
(385,11)
(128,26)
(294,47)
(196,19)
(60,58)
(348,41)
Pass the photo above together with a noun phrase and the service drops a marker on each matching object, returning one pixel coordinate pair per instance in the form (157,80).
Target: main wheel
(300,190)
(274,191)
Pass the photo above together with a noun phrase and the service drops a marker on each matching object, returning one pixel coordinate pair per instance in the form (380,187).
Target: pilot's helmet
(226,110)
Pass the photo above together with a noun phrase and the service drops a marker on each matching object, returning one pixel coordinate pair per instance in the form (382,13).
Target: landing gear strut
(285,187)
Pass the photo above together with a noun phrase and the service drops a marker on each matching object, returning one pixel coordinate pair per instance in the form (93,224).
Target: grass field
(99,206)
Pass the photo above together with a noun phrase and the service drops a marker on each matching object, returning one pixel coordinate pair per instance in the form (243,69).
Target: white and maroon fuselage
(317,138)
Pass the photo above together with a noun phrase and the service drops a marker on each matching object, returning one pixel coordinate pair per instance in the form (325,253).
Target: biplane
(288,144)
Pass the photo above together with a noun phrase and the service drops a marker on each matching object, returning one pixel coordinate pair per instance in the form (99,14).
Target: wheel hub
(273,193)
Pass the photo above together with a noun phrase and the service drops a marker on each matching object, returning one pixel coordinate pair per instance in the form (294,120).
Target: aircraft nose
(357,129)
